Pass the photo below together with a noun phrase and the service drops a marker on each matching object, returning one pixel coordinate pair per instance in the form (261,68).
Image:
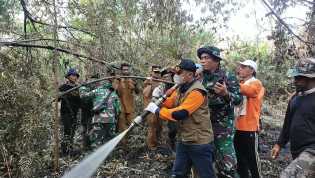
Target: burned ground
(136,161)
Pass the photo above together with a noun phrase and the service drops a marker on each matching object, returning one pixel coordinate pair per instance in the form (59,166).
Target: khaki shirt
(125,89)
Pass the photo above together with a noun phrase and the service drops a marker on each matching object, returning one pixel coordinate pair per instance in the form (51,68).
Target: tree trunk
(311,30)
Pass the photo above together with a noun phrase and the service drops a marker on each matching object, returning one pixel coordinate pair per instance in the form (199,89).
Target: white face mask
(178,79)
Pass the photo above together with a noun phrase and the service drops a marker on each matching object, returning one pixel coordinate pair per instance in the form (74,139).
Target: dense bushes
(25,119)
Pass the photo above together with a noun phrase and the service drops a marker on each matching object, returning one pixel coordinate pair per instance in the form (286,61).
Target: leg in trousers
(123,123)
(182,163)
(152,138)
(302,167)
(246,145)
(225,157)
(202,159)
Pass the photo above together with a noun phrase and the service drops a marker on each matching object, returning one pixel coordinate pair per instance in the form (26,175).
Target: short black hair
(124,65)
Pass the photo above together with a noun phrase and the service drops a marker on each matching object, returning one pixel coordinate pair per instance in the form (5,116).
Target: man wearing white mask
(188,107)
(247,121)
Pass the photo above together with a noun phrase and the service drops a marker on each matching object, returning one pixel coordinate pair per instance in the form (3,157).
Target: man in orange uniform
(188,107)
(125,88)
(247,122)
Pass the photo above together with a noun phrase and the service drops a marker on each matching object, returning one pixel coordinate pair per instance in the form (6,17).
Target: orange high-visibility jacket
(254,91)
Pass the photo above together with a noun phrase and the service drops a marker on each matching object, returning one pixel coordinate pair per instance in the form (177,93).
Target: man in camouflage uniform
(106,108)
(299,123)
(223,93)
(86,110)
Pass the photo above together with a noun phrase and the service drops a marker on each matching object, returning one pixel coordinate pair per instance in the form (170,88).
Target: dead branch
(33,20)
(67,51)
(286,25)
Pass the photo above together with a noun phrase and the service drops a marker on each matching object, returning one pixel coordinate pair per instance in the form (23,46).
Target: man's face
(301,83)
(167,77)
(125,70)
(73,78)
(186,75)
(156,74)
(244,71)
(208,62)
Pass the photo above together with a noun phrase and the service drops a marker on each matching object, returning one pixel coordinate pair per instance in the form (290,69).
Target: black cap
(187,64)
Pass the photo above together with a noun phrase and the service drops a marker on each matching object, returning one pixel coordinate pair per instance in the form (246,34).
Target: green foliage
(4,10)
(25,119)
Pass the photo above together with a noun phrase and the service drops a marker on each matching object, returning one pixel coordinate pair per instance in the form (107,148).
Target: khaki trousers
(154,131)
(124,121)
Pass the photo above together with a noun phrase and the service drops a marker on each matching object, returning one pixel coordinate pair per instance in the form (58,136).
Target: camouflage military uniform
(86,114)
(106,108)
(302,167)
(222,118)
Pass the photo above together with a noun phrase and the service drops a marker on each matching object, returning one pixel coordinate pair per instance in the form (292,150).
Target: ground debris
(138,162)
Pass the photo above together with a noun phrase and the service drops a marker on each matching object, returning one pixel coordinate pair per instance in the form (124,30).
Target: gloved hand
(152,107)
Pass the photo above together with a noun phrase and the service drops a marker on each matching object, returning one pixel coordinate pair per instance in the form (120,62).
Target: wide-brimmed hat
(211,50)
(304,67)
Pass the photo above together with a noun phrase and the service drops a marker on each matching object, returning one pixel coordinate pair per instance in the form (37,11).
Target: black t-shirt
(70,102)
(299,124)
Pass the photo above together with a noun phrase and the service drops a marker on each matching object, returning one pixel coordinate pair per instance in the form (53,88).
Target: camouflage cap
(304,67)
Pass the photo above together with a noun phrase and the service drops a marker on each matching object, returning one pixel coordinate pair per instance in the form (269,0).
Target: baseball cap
(250,63)
(187,64)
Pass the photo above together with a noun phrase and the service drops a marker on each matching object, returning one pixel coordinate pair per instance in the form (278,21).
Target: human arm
(133,85)
(191,103)
(252,89)
(284,135)
(233,88)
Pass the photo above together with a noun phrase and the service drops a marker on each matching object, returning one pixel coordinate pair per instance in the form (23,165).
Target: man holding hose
(188,107)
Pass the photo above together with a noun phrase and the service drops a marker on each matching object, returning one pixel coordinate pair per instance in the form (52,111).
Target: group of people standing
(203,110)
(211,120)
(107,108)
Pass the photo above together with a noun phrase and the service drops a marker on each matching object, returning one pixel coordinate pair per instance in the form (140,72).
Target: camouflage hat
(211,50)
(304,67)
